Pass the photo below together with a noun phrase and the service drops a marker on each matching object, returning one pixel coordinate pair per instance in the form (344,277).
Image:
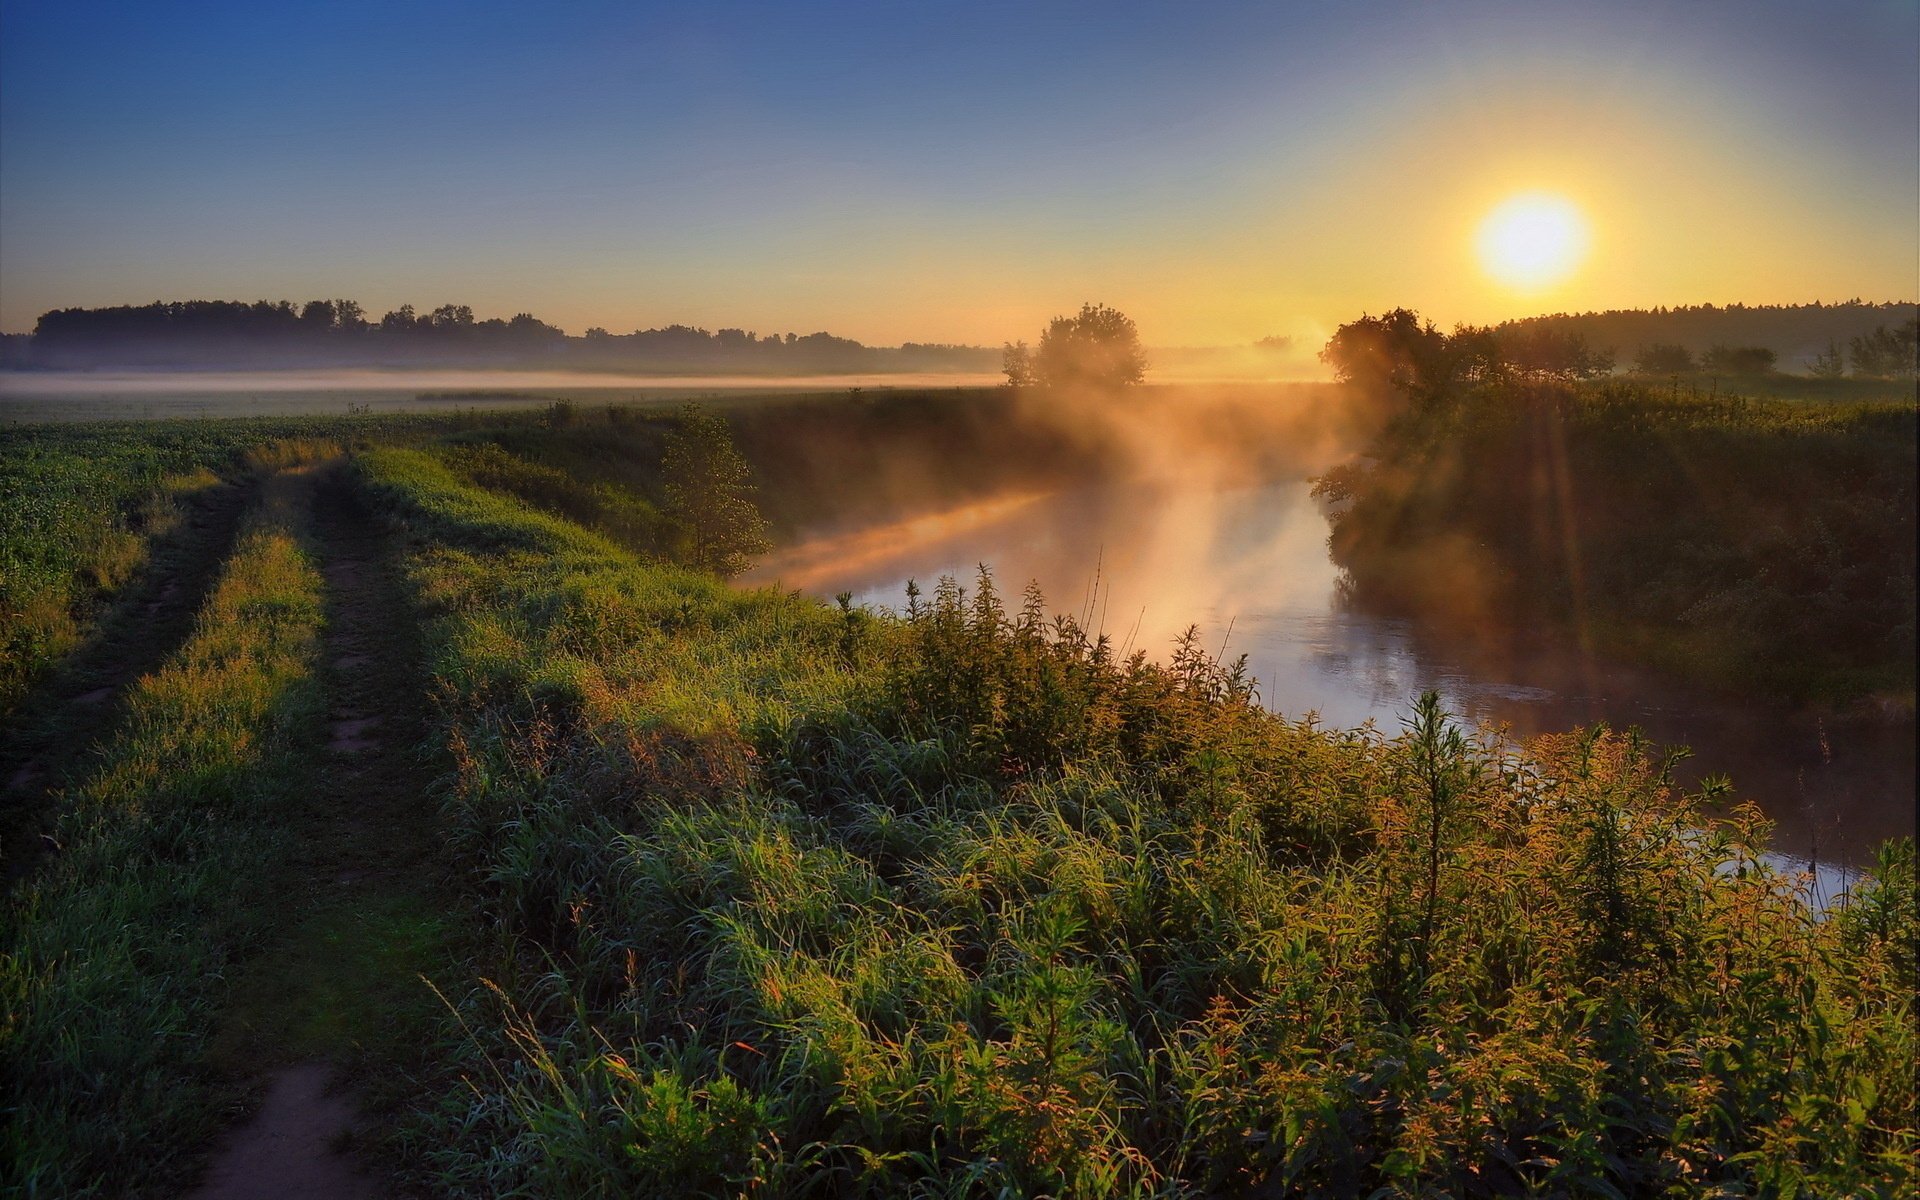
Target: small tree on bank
(709,488)
(1098,349)
(1739,360)
(1830,363)
(1664,358)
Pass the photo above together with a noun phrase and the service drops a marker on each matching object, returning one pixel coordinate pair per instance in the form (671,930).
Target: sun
(1533,241)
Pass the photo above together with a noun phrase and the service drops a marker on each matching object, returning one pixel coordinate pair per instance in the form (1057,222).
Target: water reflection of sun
(805,565)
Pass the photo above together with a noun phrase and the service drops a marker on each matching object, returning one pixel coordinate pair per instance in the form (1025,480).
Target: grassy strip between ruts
(792,901)
(115,955)
(81,505)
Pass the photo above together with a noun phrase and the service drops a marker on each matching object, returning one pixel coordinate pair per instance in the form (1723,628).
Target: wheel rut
(318,1006)
(58,724)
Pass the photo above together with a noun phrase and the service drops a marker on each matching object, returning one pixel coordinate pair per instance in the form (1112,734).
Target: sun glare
(1533,241)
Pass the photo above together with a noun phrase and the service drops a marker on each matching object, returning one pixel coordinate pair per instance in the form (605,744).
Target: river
(1250,567)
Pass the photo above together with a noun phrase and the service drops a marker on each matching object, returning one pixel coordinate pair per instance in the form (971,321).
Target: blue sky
(908,171)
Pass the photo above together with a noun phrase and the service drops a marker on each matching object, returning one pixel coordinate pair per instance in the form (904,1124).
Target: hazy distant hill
(1796,332)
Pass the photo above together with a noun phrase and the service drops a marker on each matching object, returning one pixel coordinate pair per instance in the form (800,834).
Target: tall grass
(115,955)
(790,900)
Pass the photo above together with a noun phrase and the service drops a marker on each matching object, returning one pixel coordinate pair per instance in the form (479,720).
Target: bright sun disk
(1533,240)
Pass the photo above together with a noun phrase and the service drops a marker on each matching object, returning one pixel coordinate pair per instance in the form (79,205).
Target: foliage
(1738,360)
(709,491)
(786,899)
(1398,354)
(1830,363)
(1394,352)
(1887,353)
(1664,358)
(1790,330)
(1098,349)
(1544,353)
(281,333)
(1765,543)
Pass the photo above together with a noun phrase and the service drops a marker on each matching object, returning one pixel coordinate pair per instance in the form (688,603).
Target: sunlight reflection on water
(1250,567)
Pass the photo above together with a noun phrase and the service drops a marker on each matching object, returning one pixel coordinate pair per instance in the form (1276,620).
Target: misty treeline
(1828,340)
(334,332)
(1399,353)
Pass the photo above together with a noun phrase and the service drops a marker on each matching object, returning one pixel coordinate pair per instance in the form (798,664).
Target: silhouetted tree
(1830,363)
(1016,363)
(1542,352)
(1099,349)
(1739,360)
(1887,353)
(318,315)
(709,488)
(1664,358)
(1394,351)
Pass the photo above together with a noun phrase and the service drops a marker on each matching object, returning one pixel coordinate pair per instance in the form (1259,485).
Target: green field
(593,875)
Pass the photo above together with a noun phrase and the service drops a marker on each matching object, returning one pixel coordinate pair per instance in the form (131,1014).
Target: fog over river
(1250,567)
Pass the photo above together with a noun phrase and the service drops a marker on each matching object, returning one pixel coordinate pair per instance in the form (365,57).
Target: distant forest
(1798,334)
(336,333)
(339,333)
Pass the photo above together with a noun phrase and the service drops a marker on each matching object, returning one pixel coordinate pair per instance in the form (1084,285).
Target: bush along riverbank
(1759,545)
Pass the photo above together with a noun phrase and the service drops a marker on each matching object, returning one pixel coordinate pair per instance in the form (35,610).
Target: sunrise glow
(1533,241)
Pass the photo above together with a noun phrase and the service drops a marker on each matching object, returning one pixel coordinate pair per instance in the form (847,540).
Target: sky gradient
(898,172)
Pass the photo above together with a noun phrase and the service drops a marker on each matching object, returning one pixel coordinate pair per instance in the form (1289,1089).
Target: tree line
(1853,337)
(341,331)
(1399,352)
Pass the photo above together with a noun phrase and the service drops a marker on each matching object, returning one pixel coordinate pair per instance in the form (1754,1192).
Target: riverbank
(1752,546)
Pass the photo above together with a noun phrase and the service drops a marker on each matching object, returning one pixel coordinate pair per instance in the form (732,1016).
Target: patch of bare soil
(294,1147)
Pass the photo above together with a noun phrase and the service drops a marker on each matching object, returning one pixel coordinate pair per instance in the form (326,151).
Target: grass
(168,851)
(83,505)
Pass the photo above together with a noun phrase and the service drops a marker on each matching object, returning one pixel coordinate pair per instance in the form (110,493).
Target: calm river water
(1250,567)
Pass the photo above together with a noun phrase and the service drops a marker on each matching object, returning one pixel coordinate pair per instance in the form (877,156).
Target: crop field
(439,750)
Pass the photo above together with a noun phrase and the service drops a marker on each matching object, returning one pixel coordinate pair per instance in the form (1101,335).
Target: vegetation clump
(1097,349)
(1737,541)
